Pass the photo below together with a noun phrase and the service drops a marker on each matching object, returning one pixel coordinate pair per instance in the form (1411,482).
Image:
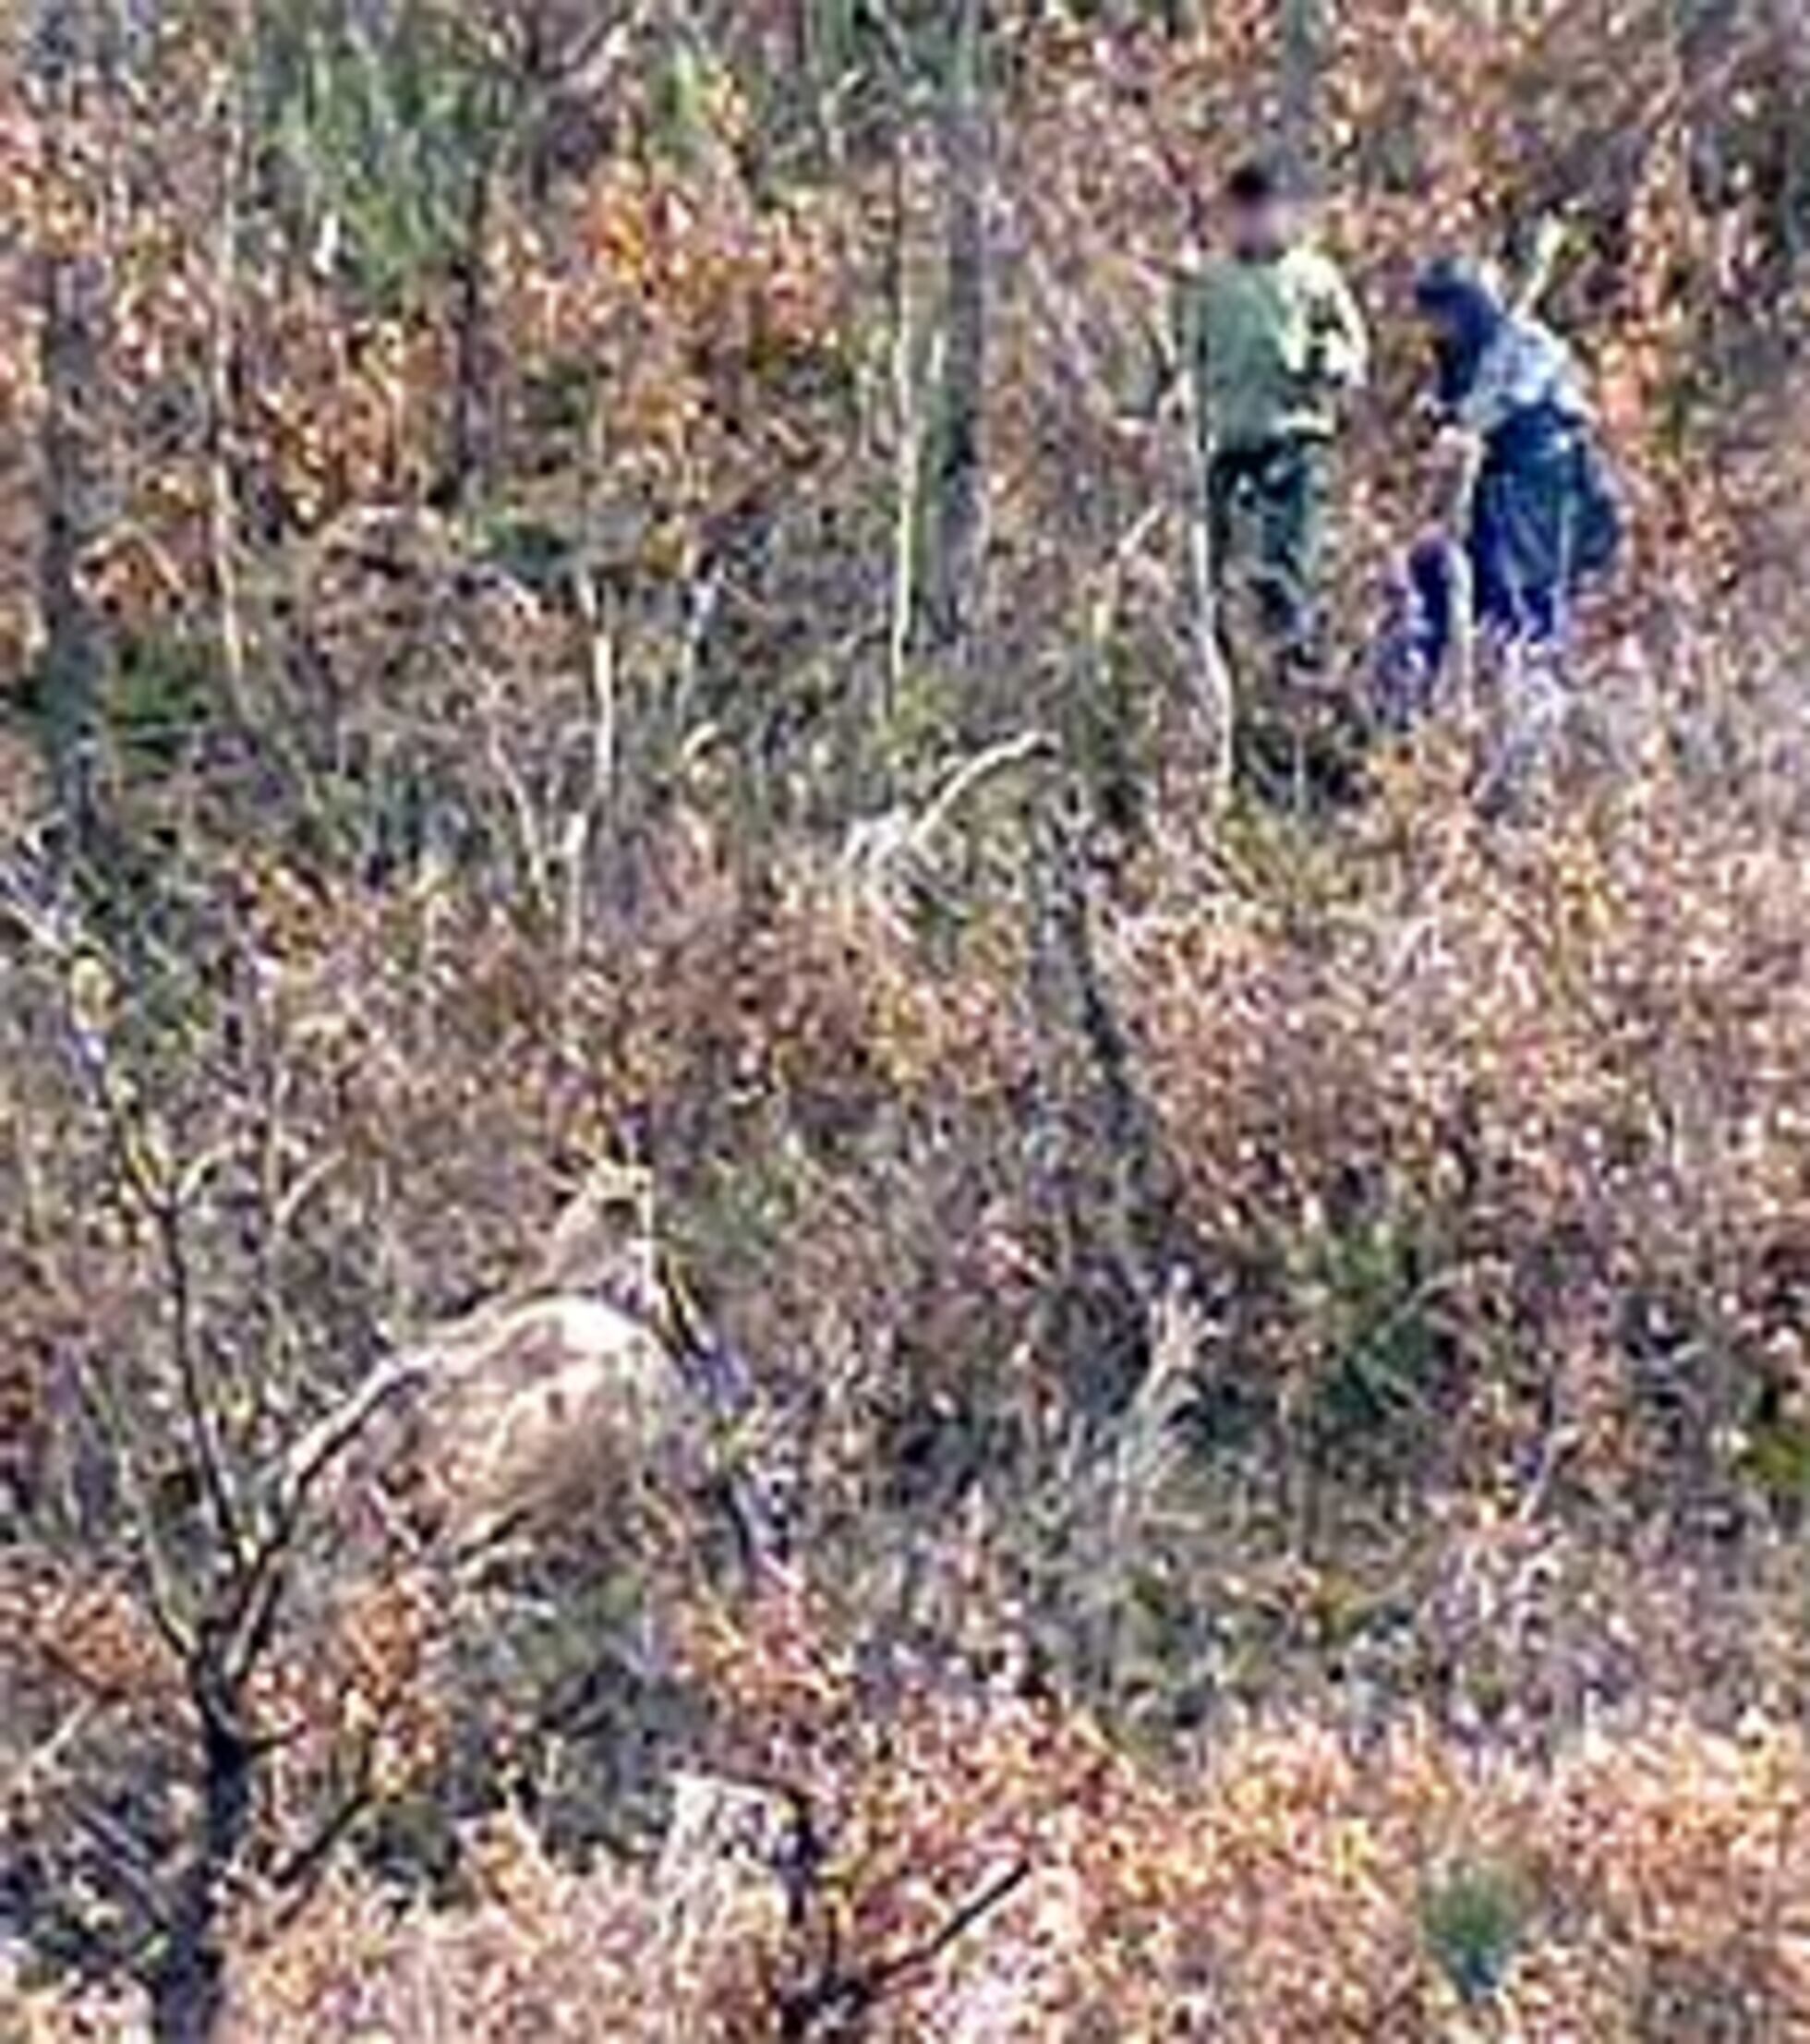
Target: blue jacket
(1544,512)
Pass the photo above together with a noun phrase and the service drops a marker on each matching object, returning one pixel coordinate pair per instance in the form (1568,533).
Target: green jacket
(1271,346)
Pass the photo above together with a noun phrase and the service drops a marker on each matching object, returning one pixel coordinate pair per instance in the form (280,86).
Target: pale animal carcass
(555,1415)
(560,1412)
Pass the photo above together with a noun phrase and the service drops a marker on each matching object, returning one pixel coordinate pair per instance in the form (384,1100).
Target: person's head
(1457,302)
(1464,312)
(1260,210)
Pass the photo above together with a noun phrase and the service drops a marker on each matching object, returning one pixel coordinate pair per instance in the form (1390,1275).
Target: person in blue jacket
(1542,516)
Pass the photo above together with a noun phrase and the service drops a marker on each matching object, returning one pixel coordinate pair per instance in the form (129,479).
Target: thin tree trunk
(593,815)
(958,503)
(222,496)
(188,1982)
(908,461)
(1214,691)
(1784,175)
(70,295)
(1306,31)
(468,452)
(1107,1181)
(1212,683)
(1701,57)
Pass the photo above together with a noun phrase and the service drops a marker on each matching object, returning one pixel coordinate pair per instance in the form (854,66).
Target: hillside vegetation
(733,1310)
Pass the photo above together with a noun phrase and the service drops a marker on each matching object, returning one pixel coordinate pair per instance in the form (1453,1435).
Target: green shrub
(1473,1918)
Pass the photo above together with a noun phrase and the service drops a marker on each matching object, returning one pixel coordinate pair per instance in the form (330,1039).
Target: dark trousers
(1266,520)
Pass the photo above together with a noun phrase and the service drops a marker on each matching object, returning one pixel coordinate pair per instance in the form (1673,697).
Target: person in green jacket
(1274,339)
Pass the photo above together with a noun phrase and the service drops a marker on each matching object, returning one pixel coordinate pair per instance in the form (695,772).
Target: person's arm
(1524,366)
(1479,409)
(1343,339)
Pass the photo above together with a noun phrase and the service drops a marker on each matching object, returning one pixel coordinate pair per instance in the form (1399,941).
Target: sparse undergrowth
(595,627)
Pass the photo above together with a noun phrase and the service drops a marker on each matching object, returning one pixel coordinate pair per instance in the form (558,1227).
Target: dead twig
(840,1995)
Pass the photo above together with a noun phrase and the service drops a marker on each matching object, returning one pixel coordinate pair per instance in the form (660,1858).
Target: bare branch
(298,1873)
(842,1994)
